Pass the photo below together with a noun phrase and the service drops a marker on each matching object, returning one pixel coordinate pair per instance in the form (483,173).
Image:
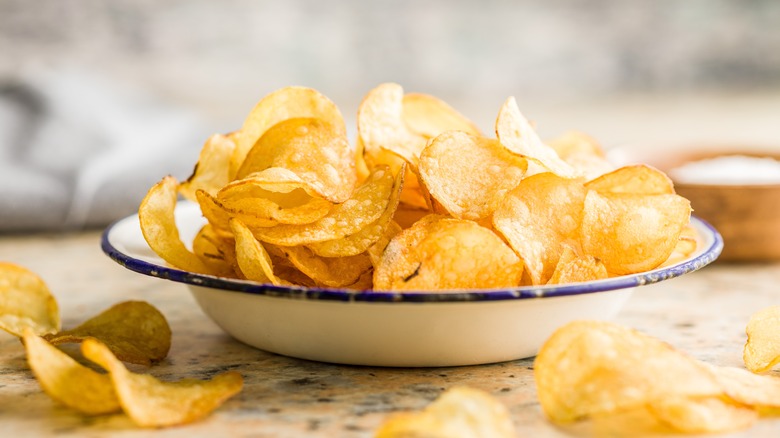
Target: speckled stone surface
(703,313)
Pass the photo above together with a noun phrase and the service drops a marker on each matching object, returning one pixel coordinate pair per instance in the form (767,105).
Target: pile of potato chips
(423,201)
(133,332)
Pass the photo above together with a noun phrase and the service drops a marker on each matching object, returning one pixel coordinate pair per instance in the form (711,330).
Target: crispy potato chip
(135,331)
(589,368)
(469,175)
(152,403)
(575,268)
(25,301)
(207,245)
(459,412)
(328,271)
(211,170)
(286,103)
(67,381)
(376,250)
(762,350)
(632,233)
(518,136)
(638,179)
(440,253)
(253,260)
(406,216)
(158,224)
(686,246)
(748,389)
(366,206)
(310,148)
(703,415)
(219,216)
(537,217)
(429,116)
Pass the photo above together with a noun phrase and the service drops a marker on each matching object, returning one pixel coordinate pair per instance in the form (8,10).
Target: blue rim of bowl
(706,257)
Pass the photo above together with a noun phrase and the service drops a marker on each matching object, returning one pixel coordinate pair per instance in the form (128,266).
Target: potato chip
(376,250)
(207,245)
(152,403)
(218,216)
(703,415)
(589,368)
(310,148)
(762,350)
(211,170)
(537,217)
(366,206)
(252,258)
(429,116)
(686,246)
(632,233)
(469,175)
(441,253)
(459,412)
(639,179)
(328,271)
(575,268)
(135,331)
(518,136)
(286,103)
(25,301)
(67,381)
(748,389)
(158,225)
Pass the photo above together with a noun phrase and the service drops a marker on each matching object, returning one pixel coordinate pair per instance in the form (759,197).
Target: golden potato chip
(286,103)
(376,250)
(703,415)
(459,412)
(518,136)
(218,216)
(158,225)
(152,403)
(211,170)
(638,179)
(469,175)
(748,389)
(429,116)
(328,271)
(207,245)
(686,246)
(67,381)
(406,216)
(575,268)
(252,258)
(589,368)
(310,148)
(25,301)
(366,206)
(762,350)
(135,331)
(537,217)
(440,253)
(632,233)
(359,242)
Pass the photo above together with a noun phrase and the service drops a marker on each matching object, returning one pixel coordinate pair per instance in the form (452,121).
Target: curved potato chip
(366,206)
(574,268)
(328,271)
(152,403)
(639,179)
(703,415)
(441,253)
(208,246)
(762,350)
(590,368)
(460,412)
(67,381)
(359,242)
(537,217)
(632,233)
(211,170)
(518,136)
(219,216)
(283,104)
(135,331)
(429,116)
(158,225)
(748,389)
(376,250)
(311,149)
(252,258)
(25,301)
(469,175)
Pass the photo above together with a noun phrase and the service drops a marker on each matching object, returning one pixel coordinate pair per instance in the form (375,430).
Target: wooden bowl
(747,215)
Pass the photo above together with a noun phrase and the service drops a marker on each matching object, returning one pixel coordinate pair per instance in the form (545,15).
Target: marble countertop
(703,313)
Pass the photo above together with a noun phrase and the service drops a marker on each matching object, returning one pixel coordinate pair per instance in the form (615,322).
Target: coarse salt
(728,170)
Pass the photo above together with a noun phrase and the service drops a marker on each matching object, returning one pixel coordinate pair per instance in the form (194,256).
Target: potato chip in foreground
(460,412)
(152,403)
(25,301)
(762,350)
(252,258)
(135,331)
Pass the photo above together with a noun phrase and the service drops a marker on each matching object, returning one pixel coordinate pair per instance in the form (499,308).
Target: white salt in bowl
(735,188)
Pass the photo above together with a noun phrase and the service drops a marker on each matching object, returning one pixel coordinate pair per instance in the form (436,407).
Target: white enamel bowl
(417,329)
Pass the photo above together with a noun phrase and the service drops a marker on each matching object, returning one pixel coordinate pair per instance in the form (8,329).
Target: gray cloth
(78,151)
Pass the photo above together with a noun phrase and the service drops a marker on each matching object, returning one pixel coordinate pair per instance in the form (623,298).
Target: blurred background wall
(623,71)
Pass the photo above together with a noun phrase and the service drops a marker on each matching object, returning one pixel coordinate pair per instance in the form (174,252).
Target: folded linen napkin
(80,151)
